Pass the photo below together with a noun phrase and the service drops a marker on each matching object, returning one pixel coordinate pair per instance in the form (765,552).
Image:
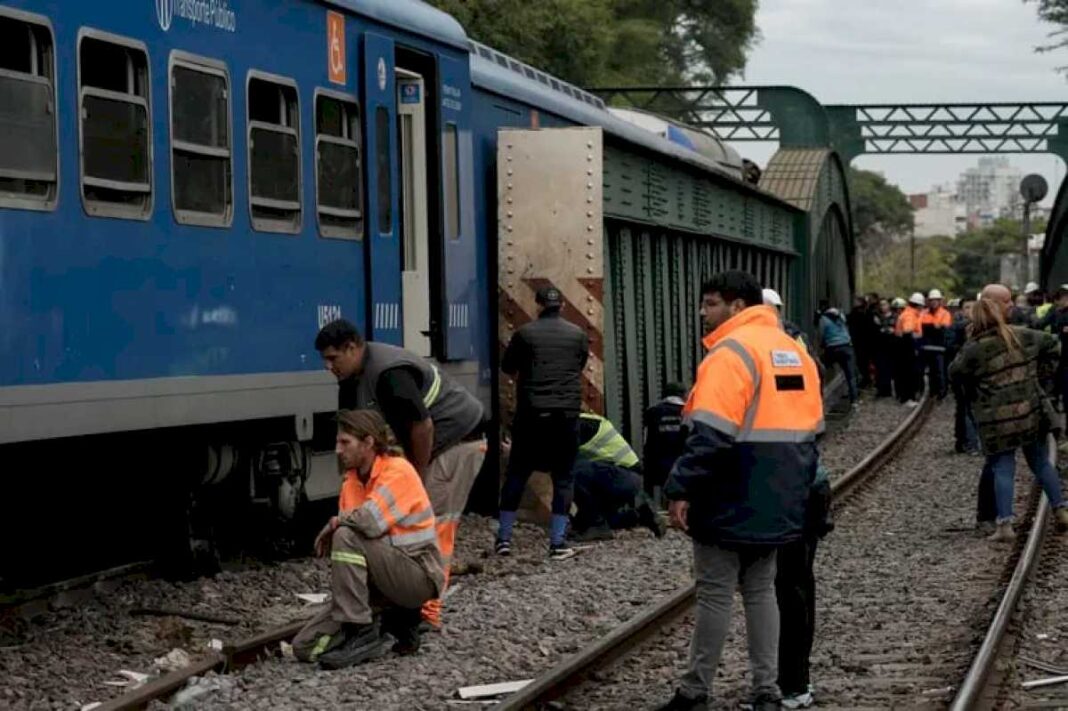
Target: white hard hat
(898,303)
(1030,288)
(934,294)
(917,299)
(771,298)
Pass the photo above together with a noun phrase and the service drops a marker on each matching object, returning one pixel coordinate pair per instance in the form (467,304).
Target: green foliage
(890,274)
(616,42)
(956,266)
(881,212)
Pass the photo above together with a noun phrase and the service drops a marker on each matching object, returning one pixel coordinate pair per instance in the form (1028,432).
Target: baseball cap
(549,296)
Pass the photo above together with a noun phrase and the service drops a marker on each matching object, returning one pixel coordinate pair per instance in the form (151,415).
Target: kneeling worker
(608,483)
(382,545)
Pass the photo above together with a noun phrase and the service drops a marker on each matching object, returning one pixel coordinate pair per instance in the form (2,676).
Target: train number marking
(328,313)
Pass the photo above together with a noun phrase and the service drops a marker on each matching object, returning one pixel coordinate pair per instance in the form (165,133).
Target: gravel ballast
(511,619)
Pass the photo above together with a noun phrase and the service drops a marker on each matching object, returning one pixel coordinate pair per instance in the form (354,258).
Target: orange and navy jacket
(934,325)
(910,321)
(752,417)
(391,503)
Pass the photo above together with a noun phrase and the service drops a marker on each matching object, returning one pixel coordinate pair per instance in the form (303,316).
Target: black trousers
(795,590)
(934,362)
(884,368)
(605,495)
(544,441)
(906,371)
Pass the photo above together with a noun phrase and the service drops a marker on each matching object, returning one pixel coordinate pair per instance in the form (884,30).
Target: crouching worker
(384,558)
(608,484)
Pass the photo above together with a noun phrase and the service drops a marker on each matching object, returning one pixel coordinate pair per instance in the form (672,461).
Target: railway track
(671,610)
(1012,668)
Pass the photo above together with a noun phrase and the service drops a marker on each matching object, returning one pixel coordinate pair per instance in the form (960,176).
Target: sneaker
(800,700)
(679,702)
(561,551)
(593,533)
(911,403)
(1060,523)
(362,642)
(503,547)
(1003,532)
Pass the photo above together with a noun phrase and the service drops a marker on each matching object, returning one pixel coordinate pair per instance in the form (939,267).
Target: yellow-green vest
(607,445)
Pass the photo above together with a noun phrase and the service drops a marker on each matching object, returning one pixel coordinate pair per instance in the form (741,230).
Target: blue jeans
(1004,466)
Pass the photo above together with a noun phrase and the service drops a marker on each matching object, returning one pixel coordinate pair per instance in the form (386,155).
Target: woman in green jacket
(999,368)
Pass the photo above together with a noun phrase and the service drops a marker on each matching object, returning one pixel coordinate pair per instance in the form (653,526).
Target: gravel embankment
(1041,633)
(905,587)
(510,619)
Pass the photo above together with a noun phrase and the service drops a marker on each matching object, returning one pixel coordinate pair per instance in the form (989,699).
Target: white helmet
(934,294)
(1030,288)
(771,298)
(917,299)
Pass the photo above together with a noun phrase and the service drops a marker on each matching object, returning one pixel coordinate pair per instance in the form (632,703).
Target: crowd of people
(734,457)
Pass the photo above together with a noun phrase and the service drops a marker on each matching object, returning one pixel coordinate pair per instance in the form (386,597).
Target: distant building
(938,213)
(990,190)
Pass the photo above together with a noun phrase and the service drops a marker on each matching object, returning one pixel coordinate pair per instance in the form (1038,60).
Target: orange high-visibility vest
(940,317)
(393,502)
(757,384)
(909,321)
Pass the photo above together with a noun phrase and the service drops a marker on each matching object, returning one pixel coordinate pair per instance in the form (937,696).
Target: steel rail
(625,638)
(975,681)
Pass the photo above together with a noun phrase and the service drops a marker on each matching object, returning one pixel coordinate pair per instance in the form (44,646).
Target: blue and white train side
(189,189)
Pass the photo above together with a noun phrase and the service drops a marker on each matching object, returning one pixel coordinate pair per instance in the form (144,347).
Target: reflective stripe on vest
(435,389)
(607,445)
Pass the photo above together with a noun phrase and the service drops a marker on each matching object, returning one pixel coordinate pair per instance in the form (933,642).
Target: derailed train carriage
(189,190)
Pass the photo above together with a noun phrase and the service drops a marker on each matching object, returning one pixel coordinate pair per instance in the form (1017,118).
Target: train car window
(113,91)
(29,159)
(202,189)
(338,167)
(383,171)
(274,154)
(452,183)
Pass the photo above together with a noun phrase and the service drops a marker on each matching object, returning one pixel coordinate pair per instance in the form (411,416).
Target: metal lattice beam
(794,118)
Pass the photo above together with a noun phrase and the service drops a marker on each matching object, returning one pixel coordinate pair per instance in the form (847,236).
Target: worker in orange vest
(909,331)
(383,539)
(934,322)
(742,484)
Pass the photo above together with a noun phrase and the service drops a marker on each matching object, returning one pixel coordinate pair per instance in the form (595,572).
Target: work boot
(648,518)
(681,702)
(1003,532)
(600,532)
(362,642)
(1060,519)
(404,626)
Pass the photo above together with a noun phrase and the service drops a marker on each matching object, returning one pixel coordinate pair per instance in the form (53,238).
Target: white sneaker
(911,403)
(798,701)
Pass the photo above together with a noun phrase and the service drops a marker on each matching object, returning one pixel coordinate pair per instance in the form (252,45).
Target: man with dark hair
(742,485)
(546,357)
(664,438)
(438,423)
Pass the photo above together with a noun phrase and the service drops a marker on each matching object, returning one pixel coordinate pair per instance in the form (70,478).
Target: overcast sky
(870,51)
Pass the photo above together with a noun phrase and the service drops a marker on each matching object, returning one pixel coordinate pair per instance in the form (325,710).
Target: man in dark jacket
(664,438)
(885,344)
(742,485)
(1056,322)
(546,357)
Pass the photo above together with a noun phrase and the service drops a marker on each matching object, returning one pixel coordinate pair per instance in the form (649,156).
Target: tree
(881,212)
(616,42)
(890,275)
(1054,12)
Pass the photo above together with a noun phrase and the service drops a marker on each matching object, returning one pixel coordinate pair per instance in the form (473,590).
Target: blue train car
(189,189)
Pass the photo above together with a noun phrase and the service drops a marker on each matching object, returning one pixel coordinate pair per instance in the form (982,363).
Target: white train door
(415,236)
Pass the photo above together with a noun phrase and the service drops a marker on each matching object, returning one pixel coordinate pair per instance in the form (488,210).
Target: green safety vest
(607,445)
(1041,312)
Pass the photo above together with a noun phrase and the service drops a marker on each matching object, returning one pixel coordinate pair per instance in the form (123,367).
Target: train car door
(379,87)
(414,231)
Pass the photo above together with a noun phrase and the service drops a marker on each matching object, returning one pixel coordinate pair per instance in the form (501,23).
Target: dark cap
(549,297)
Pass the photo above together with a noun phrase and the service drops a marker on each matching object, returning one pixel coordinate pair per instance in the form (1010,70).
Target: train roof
(415,16)
(497,72)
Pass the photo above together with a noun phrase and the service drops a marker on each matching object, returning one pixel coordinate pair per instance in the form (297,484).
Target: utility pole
(1033,188)
(912,259)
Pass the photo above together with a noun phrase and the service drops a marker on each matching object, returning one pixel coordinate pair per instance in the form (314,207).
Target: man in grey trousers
(741,485)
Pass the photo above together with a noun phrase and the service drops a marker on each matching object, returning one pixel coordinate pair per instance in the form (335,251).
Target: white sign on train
(328,313)
(209,13)
(452,98)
